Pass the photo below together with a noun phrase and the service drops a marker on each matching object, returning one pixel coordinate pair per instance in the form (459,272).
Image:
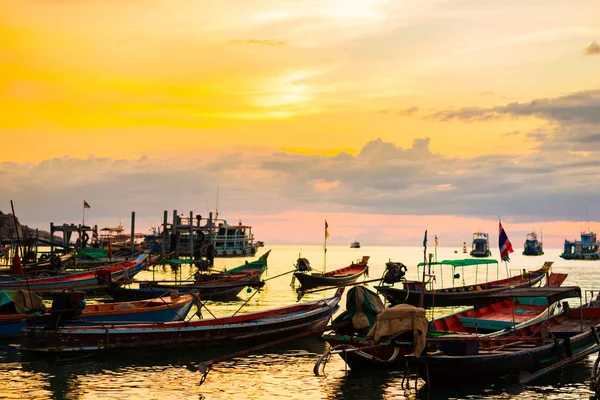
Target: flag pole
(422,297)
(83,214)
(325,250)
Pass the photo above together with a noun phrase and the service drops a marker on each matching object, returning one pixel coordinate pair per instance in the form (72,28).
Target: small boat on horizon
(533,247)
(481,245)
(355,245)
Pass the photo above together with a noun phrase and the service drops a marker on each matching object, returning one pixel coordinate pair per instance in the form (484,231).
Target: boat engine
(394,272)
(66,306)
(303,265)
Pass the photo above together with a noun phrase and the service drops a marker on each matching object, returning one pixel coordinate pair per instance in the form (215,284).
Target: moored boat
(481,245)
(588,248)
(355,245)
(465,295)
(525,352)
(98,278)
(532,246)
(26,308)
(243,328)
(338,277)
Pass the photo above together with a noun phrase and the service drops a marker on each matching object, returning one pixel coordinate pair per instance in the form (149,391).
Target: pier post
(174,241)
(132,231)
(164,232)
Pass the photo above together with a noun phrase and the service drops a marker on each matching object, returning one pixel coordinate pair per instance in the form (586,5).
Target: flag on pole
(85,204)
(326,231)
(425,239)
(505,245)
(436,241)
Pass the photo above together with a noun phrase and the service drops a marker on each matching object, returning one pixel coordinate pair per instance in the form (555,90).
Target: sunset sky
(384,117)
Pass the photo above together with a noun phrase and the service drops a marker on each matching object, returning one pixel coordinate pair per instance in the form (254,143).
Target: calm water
(285,371)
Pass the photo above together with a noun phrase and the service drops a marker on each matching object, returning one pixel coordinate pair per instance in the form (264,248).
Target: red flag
(17,267)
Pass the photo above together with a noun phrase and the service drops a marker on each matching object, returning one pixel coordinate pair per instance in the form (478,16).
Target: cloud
(382,179)
(259,42)
(403,112)
(592,50)
(579,107)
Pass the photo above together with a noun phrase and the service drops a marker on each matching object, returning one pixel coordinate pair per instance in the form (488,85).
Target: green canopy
(462,262)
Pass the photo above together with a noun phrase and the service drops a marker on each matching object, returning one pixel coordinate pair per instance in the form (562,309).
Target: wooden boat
(528,351)
(222,287)
(244,328)
(259,265)
(94,279)
(532,246)
(506,313)
(51,265)
(338,277)
(481,245)
(588,248)
(164,309)
(462,295)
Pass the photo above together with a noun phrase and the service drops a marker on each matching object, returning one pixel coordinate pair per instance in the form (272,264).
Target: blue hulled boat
(585,249)
(533,247)
(481,245)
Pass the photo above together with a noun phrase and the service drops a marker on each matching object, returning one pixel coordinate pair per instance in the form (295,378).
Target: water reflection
(281,372)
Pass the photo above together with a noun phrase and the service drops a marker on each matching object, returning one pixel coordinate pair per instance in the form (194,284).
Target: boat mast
(325,247)
(422,297)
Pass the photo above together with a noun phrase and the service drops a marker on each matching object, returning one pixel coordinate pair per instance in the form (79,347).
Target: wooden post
(132,231)
(174,233)
(210,227)
(191,241)
(37,238)
(51,237)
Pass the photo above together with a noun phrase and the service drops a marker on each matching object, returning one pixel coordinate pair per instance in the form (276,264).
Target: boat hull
(259,326)
(12,325)
(461,296)
(338,277)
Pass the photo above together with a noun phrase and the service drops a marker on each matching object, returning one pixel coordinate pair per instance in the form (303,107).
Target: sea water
(285,371)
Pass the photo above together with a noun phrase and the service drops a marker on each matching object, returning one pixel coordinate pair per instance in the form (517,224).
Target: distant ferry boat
(533,247)
(355,245)
(481,245)
(585,249)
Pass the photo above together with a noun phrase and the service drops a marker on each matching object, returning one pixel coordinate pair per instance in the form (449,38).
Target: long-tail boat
(94,279)
(527,351)
(19,308)
(244,328)
(338,277)
(506,313)
(411,292)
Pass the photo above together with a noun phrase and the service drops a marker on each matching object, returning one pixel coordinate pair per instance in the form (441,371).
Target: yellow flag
(326,231)
(436,241)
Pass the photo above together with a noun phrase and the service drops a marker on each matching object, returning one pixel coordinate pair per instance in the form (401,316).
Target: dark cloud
(592,50)
(382,178)
(580,107)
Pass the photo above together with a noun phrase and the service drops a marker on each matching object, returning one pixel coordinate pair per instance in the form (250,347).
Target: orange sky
(126,80)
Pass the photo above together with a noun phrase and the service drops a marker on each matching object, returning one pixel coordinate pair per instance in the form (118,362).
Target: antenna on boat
(217,208)
(325,247)
(587,219)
